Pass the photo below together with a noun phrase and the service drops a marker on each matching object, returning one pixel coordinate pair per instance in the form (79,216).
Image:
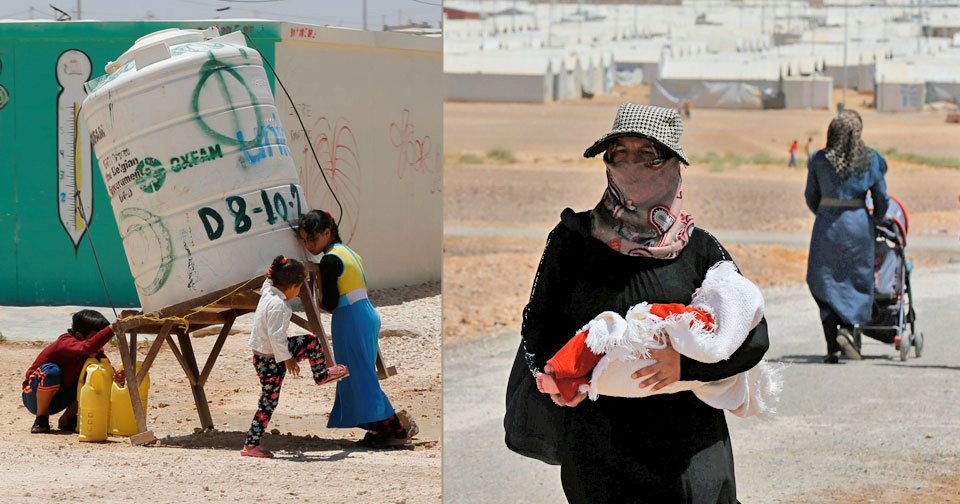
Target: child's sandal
(256,452)
(335,373)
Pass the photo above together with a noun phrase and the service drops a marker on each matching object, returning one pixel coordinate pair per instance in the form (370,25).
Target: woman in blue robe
(360,402)
(840,269)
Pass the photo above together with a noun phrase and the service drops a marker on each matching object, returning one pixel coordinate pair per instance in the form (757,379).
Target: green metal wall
(39,264)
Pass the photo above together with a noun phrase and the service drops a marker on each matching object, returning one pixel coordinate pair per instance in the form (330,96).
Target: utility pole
(763,17)
(550,25)
(846,18)
(919,22)
(364,15)
(483,27)
(579,23)
(813,36)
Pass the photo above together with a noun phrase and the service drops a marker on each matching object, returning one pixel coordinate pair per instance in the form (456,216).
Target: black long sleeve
(331,267)
(743,359)
(539,316)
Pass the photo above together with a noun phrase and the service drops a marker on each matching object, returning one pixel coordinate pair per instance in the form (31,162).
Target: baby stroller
(893,298)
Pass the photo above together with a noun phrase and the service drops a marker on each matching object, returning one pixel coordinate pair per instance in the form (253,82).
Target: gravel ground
(313,463)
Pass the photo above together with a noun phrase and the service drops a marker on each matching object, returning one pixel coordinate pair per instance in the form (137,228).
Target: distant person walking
(687,107)
(806,148)
(794,147)
(840,264)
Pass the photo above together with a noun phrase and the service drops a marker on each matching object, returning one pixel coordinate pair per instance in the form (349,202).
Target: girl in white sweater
(274,353)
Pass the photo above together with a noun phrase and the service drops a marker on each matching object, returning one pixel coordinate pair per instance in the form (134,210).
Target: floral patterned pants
(271,373)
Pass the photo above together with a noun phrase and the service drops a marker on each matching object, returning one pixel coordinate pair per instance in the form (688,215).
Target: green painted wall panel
(41,264)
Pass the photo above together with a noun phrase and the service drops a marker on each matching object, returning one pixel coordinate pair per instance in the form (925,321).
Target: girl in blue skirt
(360,401)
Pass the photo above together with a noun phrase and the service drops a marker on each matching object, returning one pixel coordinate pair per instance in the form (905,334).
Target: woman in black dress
(637,245)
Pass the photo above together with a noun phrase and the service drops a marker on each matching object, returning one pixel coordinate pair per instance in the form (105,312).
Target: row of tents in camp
(711,56)
(548,75)
(746,80)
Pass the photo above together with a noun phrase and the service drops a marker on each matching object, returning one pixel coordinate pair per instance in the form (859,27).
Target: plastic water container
(93,397)
(195,161)
(122,421)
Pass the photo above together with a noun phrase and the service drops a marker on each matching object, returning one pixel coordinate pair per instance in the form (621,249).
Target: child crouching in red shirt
(50,385)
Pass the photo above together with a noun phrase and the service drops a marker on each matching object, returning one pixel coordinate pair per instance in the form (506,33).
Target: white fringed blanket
(736,305)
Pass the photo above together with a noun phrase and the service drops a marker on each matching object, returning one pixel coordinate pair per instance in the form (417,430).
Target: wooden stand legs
(221,307)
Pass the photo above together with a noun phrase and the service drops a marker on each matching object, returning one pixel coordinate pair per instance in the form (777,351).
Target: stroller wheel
(918,344)
(904,346)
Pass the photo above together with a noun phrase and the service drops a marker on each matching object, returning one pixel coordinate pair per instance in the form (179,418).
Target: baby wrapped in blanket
(602,357)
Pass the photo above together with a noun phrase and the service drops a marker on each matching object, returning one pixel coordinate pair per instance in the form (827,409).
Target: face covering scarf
(641,213)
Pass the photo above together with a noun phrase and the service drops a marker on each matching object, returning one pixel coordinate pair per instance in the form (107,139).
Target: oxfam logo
(152,174)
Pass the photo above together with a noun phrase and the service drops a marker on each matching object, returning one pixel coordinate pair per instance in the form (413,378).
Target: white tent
(492,76)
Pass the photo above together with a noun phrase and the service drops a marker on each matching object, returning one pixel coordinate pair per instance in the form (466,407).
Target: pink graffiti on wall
(416,154)
(339,153)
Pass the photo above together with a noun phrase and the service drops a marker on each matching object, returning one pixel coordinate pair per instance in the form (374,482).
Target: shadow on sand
(285,446)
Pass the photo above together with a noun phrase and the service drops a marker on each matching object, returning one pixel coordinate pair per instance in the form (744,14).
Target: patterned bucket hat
(656,123)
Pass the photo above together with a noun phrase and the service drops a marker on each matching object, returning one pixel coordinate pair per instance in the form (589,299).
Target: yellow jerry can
(122,421)
(93,396)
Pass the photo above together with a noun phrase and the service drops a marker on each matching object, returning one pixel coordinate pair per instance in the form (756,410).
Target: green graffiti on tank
(151,229)
(216,68)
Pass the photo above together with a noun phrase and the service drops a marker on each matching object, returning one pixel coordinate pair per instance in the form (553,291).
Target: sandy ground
(496,218)
(568,128)
(497,215)
(313,463)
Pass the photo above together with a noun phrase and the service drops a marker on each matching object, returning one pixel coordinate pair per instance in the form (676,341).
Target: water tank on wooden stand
(195,161)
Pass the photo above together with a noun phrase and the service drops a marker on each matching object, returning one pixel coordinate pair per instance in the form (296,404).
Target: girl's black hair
(315,222)
(88,322)
(286,272)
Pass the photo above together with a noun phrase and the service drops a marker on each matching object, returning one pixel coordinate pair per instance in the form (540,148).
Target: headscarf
(641,213)
(845,149)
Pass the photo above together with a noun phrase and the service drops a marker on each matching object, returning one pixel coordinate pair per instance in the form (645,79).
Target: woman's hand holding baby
(663,372)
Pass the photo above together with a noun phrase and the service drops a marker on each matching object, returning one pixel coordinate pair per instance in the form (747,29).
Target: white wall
(372,103)
(898,97)
(498,87)
(808,93)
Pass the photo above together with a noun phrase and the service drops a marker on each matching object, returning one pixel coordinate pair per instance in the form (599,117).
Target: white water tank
(196,163)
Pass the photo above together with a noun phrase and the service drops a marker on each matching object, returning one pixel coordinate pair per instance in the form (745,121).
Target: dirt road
(872,431)
(876,431)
